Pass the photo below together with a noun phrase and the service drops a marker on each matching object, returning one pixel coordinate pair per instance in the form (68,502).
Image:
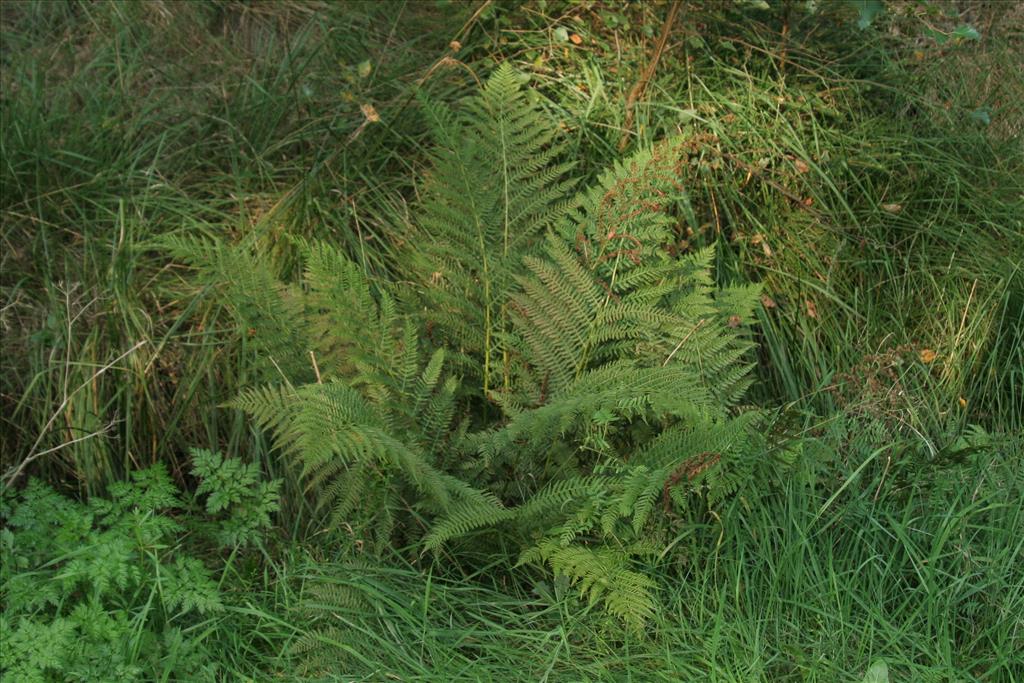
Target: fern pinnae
(645,498)
(463,517)
(559,497)
(501,144)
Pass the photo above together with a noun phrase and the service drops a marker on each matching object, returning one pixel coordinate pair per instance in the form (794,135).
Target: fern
(548,374)
(465,516)
(495,186)
(607,341)
(602,574)
(357,378)
(270,314)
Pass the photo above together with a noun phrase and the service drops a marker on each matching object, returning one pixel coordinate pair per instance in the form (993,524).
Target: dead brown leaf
(812,310)
(370,113)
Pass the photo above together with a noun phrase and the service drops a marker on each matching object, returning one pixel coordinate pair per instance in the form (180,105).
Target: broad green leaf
(965,32)
(982,115)
(937,36)
(877,673)
(868,10)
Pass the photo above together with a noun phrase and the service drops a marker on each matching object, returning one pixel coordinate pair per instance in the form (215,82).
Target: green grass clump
(123,123)
(851,178)
(791,583)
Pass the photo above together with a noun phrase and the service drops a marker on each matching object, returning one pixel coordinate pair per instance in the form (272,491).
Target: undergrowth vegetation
(116,589)
(512,341)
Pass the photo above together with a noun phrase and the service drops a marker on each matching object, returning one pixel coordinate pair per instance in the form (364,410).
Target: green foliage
(110,152)
(617,365)
(612,345)
(105,591)
(869,179)
(772,589)
(496,184)
(369,431)
(236,488)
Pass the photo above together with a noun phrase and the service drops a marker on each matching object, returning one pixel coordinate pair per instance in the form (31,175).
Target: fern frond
(465,516)
(493,188)
(600,574)
(559,497)
(603,374)
(270,313)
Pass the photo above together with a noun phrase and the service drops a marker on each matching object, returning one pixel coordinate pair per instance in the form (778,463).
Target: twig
(963,319)
(33,454)
(683,340)
(80,439)
(648,73)
(316,368)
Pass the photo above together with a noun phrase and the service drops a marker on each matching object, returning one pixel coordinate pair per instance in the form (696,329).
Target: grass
(118,130)
(850,172)
(777,591)
(856,219)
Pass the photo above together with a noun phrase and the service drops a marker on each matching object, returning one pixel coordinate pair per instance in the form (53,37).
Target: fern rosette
(556,376)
